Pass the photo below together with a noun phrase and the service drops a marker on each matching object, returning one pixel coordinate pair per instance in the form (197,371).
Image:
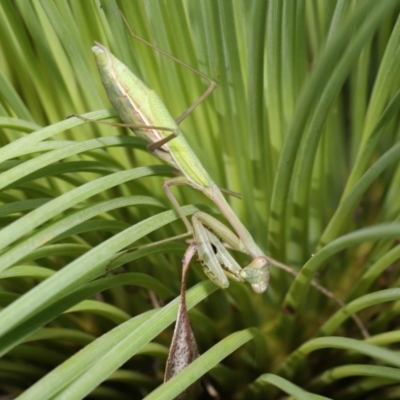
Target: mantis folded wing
(143,110)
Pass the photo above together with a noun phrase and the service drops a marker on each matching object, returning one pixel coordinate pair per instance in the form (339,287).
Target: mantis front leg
(218,264)
(216,260)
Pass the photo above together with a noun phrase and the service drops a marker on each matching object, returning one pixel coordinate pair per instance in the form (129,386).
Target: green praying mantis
(141,109)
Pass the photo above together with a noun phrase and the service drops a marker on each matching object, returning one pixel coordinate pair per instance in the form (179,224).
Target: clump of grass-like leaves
(304,123)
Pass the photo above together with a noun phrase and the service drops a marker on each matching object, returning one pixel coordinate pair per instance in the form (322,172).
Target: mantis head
(257,274)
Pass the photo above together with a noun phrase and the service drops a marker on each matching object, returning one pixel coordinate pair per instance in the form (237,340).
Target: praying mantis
(140,108)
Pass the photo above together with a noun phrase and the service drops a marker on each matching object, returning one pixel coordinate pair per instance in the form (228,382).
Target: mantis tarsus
(142,109)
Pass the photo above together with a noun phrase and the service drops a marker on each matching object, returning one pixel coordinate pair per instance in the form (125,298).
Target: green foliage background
(304,123)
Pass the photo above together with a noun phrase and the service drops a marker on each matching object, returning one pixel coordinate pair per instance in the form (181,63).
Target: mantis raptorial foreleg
(217,262)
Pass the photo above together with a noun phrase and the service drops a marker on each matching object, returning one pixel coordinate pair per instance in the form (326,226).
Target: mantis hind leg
(212,83)
(156,145)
